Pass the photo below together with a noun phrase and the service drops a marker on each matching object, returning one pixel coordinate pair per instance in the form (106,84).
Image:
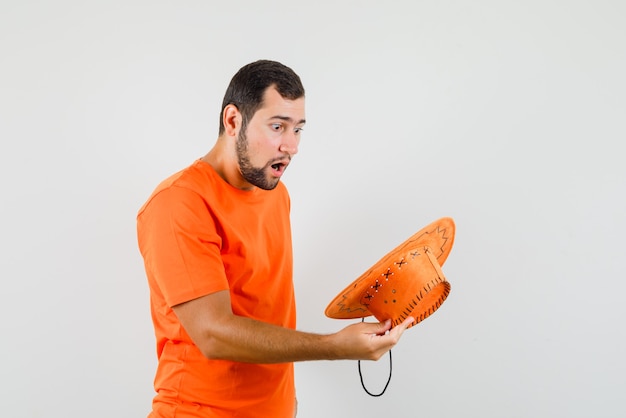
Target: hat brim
(438,236)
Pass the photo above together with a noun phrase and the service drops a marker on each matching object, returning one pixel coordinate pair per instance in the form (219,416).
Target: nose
(290,143)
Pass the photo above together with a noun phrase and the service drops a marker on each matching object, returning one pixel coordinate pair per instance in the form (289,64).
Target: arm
(220,334)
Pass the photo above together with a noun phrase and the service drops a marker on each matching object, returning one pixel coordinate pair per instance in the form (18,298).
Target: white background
(508,116)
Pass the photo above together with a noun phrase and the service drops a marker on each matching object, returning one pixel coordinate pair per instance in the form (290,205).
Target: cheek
(265,145)
(259,151)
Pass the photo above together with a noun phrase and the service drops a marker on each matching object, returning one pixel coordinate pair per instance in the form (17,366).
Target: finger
(383,327)
(408,322)
(399,329)
(376,328)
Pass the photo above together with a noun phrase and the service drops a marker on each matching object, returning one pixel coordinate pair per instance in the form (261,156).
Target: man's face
(271,138)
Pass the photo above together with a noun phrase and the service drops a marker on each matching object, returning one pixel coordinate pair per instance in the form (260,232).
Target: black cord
(388,380)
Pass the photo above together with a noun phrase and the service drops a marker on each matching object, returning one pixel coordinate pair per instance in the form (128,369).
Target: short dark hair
(248,85)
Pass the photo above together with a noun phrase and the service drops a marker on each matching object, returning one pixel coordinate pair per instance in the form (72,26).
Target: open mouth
(279,167)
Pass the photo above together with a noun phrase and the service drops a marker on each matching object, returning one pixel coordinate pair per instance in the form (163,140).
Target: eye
(277,126)
(298,130)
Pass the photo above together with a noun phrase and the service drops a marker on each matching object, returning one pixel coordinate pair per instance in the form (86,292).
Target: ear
(232,120)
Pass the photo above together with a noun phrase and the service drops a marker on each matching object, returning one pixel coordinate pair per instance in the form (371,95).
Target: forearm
(220,334)
(243,339)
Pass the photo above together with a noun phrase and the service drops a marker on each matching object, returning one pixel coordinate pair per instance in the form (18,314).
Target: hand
(369,341)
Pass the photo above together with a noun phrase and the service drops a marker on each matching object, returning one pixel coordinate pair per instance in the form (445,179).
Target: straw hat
(406,281)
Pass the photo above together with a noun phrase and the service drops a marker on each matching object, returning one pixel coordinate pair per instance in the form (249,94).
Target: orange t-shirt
(198,235)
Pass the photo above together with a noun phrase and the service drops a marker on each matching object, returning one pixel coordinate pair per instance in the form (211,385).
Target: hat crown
(413,285)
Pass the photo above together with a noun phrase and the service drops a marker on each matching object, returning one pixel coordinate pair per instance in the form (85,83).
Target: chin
(270,185)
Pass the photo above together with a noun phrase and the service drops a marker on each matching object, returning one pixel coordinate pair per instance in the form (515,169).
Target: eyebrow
(288,119)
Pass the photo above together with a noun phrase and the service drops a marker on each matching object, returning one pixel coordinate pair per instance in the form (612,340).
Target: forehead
(276,105)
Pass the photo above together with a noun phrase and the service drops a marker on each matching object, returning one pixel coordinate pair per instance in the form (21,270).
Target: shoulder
(191,183)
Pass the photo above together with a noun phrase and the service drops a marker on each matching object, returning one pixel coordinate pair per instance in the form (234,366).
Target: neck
(223,159)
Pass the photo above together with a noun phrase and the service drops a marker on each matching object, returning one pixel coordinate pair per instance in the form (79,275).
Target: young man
(216,242)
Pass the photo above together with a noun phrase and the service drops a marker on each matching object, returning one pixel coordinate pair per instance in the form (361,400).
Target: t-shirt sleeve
(181,247)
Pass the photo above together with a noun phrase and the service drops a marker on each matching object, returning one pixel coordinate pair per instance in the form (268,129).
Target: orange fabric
(199,235)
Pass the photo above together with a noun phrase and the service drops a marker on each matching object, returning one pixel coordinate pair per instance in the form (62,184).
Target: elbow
(214,348)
